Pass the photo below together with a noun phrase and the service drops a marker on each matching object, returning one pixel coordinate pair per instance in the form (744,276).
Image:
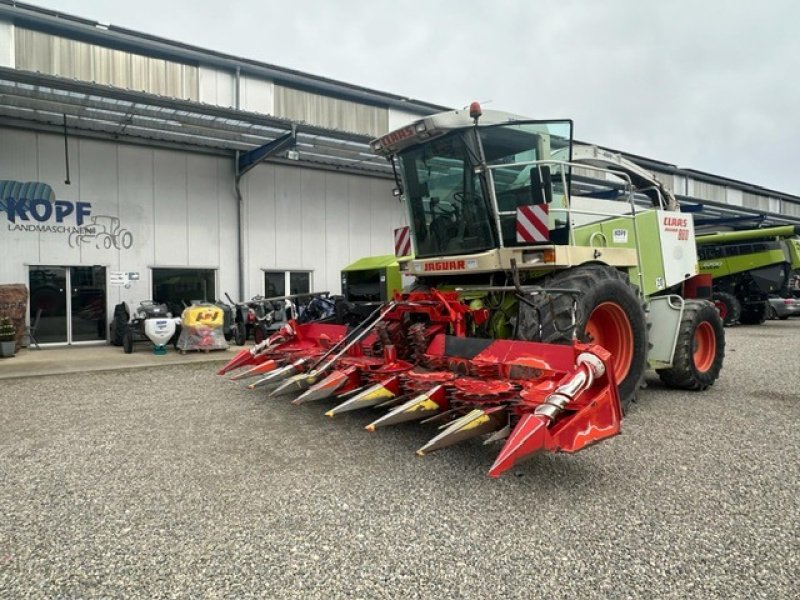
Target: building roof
(134,41)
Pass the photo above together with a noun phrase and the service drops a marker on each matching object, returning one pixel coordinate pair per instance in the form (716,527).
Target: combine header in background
(747,266)
(535,311)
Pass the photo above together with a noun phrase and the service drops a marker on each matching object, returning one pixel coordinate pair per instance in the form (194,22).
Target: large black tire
(119,323)
(127,341)
(754,314)
(699,350)
(729,307)
(609,312)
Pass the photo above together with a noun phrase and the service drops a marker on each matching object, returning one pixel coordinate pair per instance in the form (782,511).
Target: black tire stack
(119,323)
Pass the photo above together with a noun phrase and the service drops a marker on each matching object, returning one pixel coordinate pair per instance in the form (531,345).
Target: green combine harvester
(748,266)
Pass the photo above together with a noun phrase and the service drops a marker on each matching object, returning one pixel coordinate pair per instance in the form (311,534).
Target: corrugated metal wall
(330,112)
(53,55)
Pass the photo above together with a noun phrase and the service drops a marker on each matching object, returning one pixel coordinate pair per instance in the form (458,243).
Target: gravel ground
(172,482)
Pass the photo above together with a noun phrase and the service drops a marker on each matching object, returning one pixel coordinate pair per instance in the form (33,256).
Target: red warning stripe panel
(533,223)
(402,241)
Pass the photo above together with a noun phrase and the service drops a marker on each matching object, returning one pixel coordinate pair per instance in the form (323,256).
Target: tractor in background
(535,310)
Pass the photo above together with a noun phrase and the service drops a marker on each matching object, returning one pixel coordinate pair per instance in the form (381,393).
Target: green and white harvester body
(493,213)
(747,266)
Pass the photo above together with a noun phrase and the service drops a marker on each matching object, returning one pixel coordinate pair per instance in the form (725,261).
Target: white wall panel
(312,195)
(337,232)
(54,248)
(7,44)
(136,212)
(216,87)
(385,208)
(257,95)
(97,173)
(304,219)
(228,276)
(18,161)
(679,184)
(260,242)
(203,210)
(170,208)
(360,223)
(398,118)
(288,220)
(734,197)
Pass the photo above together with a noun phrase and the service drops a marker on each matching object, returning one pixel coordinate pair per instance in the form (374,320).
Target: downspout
(239,198)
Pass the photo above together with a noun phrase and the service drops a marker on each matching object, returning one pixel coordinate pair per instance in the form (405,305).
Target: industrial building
(133,167)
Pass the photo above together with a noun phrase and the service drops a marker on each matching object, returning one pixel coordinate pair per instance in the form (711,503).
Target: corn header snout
(413,359)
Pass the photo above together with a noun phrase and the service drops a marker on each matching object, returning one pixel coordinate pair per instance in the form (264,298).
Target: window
(179,287)
(449,213)
(276,283)
(505,146)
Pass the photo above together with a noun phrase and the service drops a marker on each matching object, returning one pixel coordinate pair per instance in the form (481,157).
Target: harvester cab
(540,296)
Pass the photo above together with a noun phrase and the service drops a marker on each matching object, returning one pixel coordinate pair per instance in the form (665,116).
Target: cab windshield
(449,211)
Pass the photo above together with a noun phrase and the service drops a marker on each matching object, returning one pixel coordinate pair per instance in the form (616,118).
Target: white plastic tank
(159,331)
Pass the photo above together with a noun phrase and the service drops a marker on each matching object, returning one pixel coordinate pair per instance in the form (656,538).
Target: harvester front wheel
(729,307)
(608,312)
(699,350)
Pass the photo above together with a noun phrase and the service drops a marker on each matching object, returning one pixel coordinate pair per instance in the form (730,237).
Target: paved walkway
(75,359)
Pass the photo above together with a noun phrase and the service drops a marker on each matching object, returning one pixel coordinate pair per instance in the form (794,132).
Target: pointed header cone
(294,384)
(526,438)
(476,422)
(327,387)
(416,409)
(277,375)
(375,394)
(264,367)
(243,357)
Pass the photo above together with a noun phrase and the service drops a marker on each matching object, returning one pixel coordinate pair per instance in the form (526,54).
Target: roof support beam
(248,160)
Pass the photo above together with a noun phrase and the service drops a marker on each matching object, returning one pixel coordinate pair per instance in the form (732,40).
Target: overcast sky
(712,85)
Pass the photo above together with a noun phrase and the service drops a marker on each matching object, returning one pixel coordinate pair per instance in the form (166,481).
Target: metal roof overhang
(34,100)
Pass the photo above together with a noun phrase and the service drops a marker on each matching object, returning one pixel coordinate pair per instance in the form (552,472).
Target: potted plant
(8,338)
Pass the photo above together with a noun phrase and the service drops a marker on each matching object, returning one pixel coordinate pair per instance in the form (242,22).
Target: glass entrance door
(49,287)
(72,301)
(87,306)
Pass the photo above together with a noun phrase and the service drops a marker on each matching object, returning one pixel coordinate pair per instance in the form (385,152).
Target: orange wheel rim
(705,347)
(722,308)
(609,327)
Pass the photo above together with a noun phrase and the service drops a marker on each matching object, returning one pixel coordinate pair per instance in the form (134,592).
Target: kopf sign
(42,210)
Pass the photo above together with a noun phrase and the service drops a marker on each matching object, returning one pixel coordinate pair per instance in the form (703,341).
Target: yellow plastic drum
(206,315)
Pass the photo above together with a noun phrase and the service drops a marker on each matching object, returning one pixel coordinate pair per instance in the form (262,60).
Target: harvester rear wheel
(699,350)
(754,314)
(729,307)
(609,312)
